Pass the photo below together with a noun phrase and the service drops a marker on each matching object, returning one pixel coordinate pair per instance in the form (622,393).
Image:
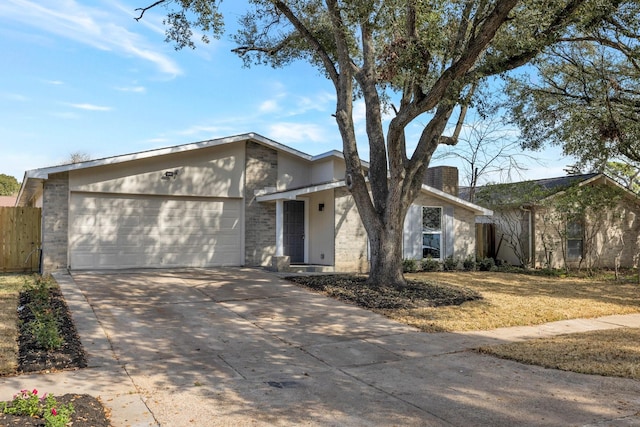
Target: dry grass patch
(511,299)
(10,287)
(612,352)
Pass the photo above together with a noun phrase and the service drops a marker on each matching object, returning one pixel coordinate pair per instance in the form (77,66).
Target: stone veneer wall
(260,218)
(350,235)
(55,222)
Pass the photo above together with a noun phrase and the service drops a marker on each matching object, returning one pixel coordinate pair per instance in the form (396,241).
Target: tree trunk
(386,255)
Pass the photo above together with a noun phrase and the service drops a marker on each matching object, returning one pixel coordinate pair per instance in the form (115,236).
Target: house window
(575,240)
(431,232)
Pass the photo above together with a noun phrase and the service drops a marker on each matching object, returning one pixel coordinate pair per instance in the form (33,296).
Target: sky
(85,77)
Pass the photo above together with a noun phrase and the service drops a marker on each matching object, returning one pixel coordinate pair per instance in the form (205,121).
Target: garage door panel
(124,232)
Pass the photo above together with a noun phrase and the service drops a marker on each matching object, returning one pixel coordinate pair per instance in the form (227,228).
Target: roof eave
(476,209)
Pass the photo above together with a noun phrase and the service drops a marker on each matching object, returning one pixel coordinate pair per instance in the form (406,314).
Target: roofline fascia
(478,210)
(44,173)
(292,194)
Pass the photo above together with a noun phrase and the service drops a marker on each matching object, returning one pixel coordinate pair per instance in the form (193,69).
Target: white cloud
(135,89)
(90,107)
(288,132)
(269,106)
(201,129)
(54,82)
(94,27)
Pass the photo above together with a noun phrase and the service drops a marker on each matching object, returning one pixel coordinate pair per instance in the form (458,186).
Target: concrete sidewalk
(243,347)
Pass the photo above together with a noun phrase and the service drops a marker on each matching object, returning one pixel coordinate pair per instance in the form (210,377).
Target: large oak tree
(420,58)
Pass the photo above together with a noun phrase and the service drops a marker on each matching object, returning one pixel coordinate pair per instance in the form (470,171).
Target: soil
(31,357)
(356,290)
(89,411)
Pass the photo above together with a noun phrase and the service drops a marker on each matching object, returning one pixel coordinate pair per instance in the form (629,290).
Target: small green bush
(409,265)
(38,289)
(28,403)
(486,264)
(450,264)
(469,263)
(45,327)
(430,264)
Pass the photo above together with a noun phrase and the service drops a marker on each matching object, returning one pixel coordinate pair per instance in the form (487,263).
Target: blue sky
(84,76)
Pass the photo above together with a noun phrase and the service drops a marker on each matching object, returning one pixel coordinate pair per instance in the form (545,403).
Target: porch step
(308,268)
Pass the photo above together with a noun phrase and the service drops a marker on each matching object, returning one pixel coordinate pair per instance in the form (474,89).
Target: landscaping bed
(32,357)
(356,290)
(38,304)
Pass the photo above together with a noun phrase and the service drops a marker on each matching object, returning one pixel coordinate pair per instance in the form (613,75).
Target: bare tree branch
(144,9)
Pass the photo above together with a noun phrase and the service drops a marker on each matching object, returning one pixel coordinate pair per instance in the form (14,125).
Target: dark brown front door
(293,230)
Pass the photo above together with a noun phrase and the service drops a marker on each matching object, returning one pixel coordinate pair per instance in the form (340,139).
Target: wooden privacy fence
(19,239)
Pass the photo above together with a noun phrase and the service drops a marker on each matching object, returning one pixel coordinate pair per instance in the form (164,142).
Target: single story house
(237,201)
(573,221)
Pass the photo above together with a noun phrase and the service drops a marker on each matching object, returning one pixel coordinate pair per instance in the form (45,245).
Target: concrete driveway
(244,347)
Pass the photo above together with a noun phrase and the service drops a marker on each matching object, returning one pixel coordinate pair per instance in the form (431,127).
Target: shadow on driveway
(240,346)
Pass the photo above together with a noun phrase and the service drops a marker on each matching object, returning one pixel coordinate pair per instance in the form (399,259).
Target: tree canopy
(584,92)
(9,185)
(419,59)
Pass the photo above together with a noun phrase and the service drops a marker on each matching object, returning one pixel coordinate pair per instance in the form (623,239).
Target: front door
(293,230)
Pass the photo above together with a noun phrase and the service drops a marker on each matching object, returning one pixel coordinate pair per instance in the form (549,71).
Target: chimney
(443,178)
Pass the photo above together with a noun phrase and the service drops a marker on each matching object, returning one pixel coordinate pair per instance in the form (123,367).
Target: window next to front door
(431,232)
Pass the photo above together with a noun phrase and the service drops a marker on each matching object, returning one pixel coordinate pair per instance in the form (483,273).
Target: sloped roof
(547,187)
(33,178)
(291,194)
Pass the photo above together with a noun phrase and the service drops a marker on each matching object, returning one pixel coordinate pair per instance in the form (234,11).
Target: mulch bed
(31,357)
(356,290)
(89,411)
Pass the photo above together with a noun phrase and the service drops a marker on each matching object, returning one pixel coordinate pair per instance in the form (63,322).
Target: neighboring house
(6,201)
(572,221)
(237,201)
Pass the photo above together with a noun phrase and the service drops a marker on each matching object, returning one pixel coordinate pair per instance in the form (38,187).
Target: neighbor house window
(431,232)
(575,240)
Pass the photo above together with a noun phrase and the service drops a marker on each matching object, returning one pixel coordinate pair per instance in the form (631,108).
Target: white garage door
(107,231)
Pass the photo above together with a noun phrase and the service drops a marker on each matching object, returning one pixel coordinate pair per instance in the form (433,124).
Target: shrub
(469,263)
(430,264)
(450,264)
(409,265)
(38,290)
(44,327)
(486,264)
(28,403)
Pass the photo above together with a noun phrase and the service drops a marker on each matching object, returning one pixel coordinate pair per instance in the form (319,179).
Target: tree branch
(313,42)
(144,9)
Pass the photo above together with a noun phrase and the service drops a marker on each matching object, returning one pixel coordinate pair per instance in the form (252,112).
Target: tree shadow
(240,346)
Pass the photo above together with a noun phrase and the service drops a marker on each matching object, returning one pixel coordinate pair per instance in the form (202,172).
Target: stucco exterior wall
(512,231)
(463,228)
(350,235)
(321,228)
(261,164)
(55,222)
(292,172)
(210,172)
